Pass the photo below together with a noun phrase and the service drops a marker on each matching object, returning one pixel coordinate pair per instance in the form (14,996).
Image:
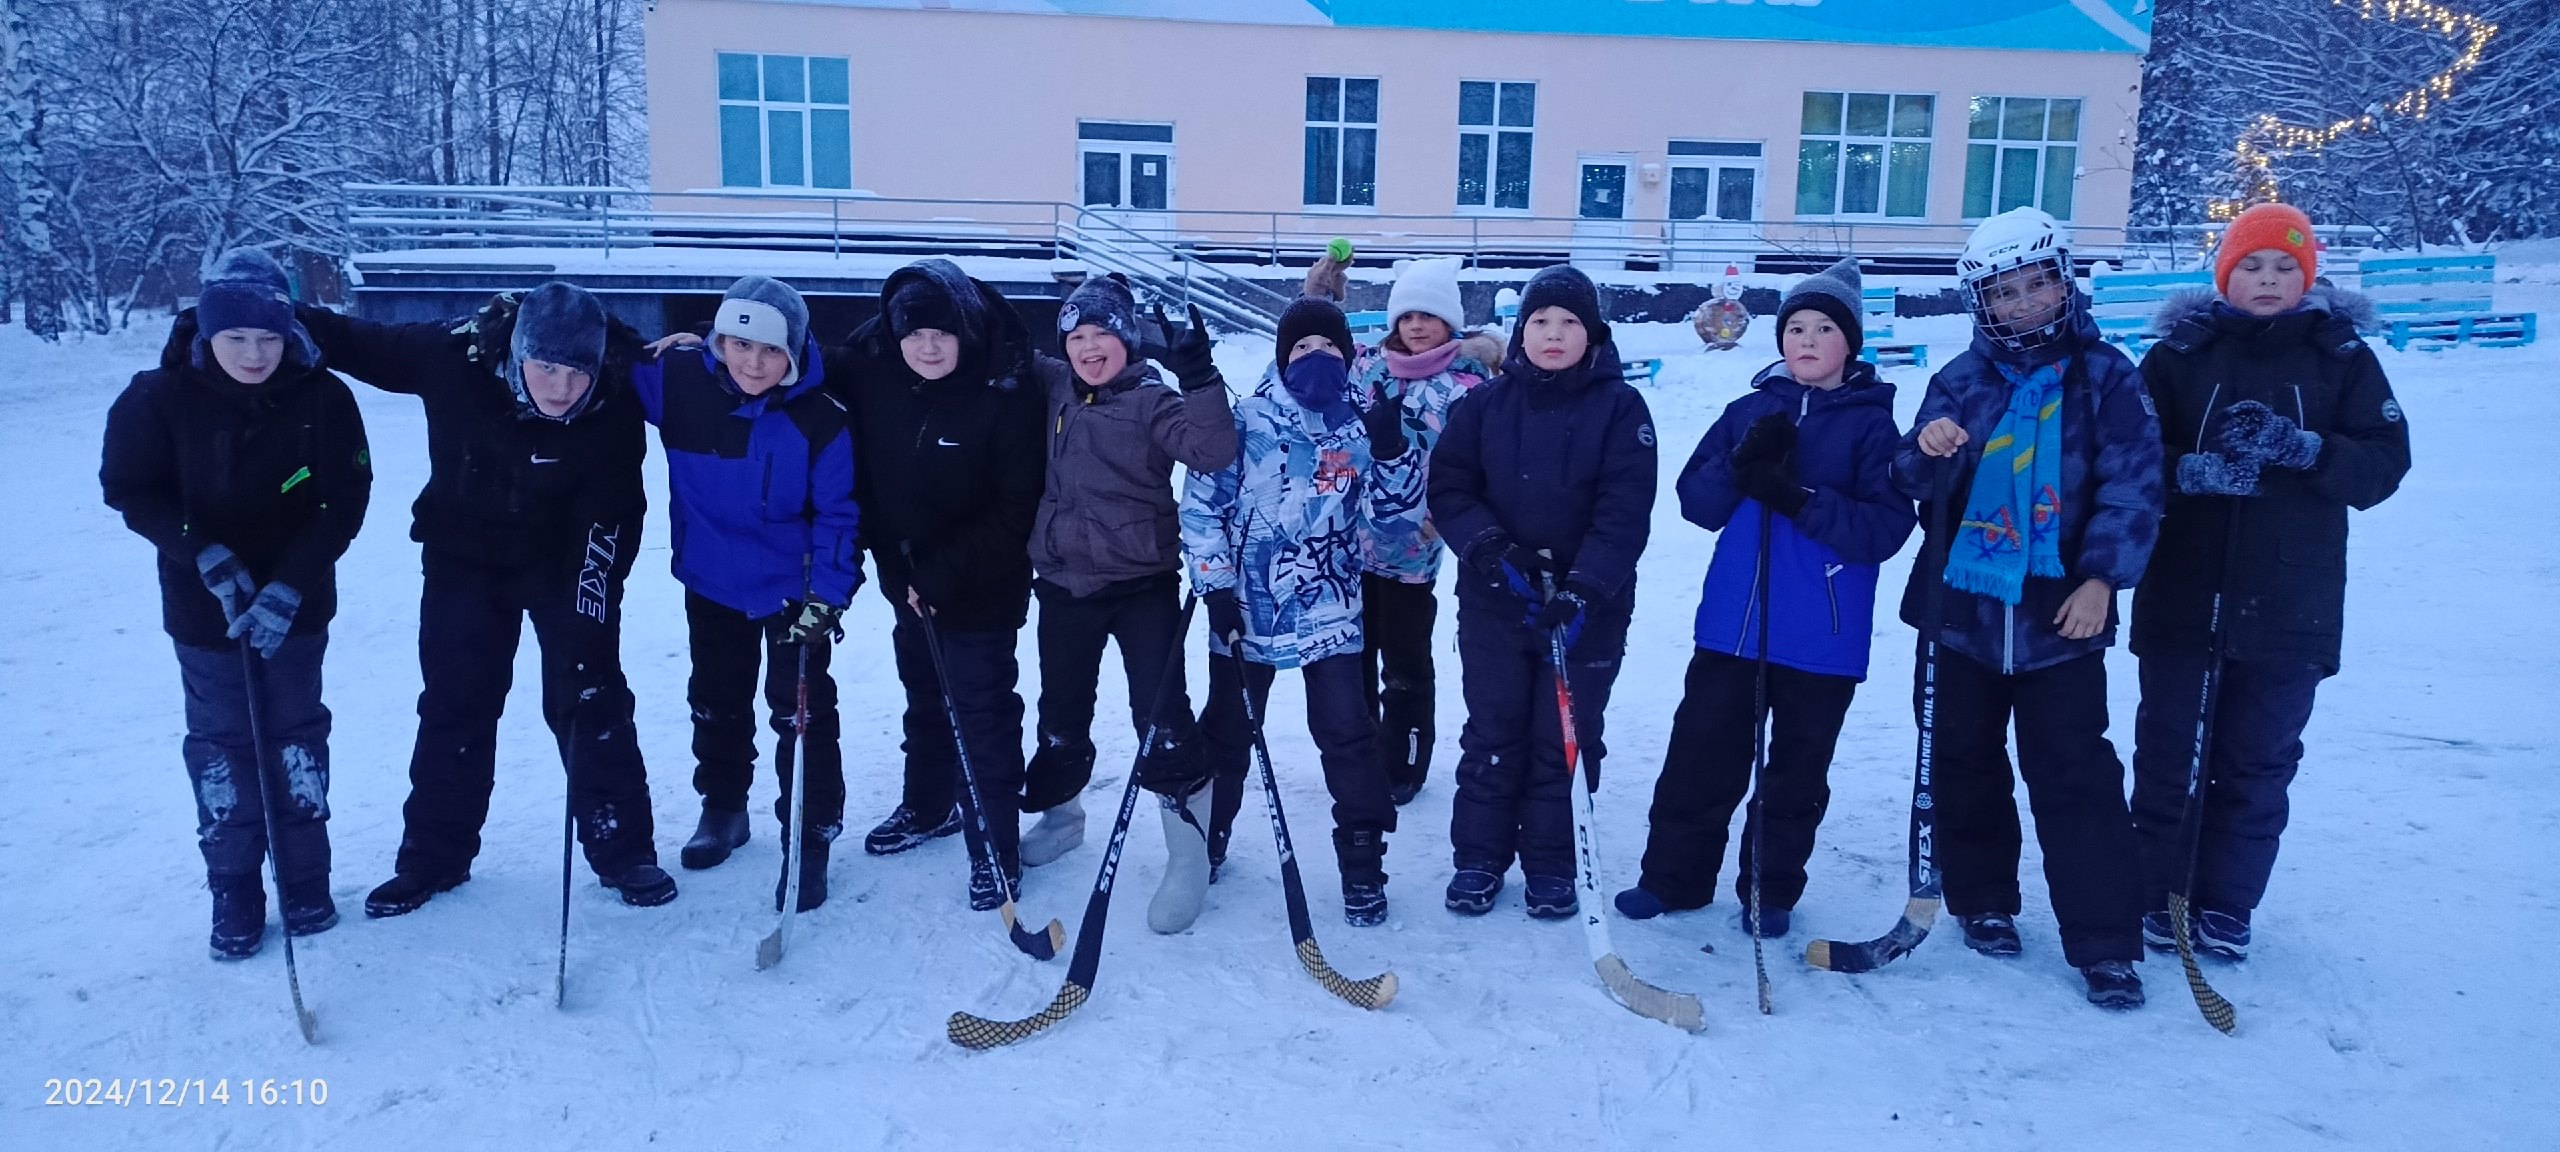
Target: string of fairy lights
(2267,137)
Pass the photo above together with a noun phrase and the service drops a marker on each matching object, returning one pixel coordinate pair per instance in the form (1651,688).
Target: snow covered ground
(2396,1000)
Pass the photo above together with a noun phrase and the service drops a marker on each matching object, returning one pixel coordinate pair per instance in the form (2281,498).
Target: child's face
(1313,345)
(1816,349)
(1421,332)
(1555,338)
(2266,282)
(2026,298)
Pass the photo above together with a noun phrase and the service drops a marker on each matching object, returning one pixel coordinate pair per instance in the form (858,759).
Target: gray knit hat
(1836,292)
(767,311)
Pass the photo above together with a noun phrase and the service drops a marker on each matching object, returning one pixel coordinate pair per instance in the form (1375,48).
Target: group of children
(981,472)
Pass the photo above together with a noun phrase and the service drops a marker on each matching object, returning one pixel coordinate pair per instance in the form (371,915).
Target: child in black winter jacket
(1543,482)
(2277,419)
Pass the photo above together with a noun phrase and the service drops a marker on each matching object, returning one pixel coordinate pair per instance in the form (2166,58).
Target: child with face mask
(1276,543)
(2277,420)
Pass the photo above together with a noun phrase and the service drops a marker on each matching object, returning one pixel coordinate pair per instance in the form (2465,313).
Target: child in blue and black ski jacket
(1805,457)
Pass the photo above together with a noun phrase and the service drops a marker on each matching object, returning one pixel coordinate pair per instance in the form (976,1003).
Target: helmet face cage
(1975,285)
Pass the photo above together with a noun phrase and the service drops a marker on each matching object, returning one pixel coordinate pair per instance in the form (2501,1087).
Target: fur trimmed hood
(2355,308)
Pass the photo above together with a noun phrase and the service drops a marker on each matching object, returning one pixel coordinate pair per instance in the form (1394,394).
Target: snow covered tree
(27,257)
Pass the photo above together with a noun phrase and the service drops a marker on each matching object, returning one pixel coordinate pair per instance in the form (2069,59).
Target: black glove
(812,620)
(1770,439)
(1564,611)
(1186,352)
(1510,566)
(1226,617)
(2257,435)
(1385,420)
(269,618)
(227,579)
(1775,487)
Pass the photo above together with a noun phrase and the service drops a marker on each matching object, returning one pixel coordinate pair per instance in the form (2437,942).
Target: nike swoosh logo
(539,458)
(945,443)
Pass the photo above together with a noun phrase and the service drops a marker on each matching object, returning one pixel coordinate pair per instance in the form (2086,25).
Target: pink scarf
(1423,366)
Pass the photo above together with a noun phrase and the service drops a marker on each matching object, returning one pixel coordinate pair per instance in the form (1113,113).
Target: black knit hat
(1313,316)
(1564,286)
(1105,302)
(1836,292)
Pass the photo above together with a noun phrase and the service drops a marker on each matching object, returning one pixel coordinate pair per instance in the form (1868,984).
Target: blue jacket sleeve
(1622,515)
(2116,544)
(835,572)
(1208,513)
(1456,478)
(1866,522)
(649,383)
(1708,496)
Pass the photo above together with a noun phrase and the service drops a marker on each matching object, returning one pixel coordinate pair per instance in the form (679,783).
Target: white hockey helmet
(2018,238)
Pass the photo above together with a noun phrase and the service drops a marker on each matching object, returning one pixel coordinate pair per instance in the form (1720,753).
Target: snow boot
(1403,794)
(1060,831)
(2159,934)
(2113,985)
(239,916)
(1991,933)
(988,893)
(1186,867)
(407,892)
(2224,934)
(642,885)
(1552,897)
(905,829)
(1362,854)
(1472,890)
(1774,922)
(814,850)
(719,833)
(308,910)
(1638,904)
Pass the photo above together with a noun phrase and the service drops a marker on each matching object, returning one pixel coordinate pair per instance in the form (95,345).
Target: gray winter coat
(1108,513)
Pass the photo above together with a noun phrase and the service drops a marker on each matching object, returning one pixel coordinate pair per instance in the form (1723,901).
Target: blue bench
(1506,311)
(1366,323)
(2123,303)
(2437,302)
(1641,371)
(1882,350)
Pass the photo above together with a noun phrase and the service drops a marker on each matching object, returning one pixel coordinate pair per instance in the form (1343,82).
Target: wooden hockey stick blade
(1680,1010)
(1854,956)
(978,1034)
(1372,993)
(2217,1011)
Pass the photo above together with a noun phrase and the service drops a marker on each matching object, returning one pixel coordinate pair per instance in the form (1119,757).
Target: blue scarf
(2013,516)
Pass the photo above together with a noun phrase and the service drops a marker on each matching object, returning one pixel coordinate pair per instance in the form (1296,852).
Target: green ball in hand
(1339,249)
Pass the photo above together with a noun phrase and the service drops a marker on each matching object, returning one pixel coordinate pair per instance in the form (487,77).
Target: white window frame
(764,108)
(2044,153)
(1493,134)
(1127,150)
(1844,141)
(1341,129)
(1758,162)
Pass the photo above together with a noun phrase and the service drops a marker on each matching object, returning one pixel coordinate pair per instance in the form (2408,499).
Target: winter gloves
(1564,610)
(2254,437)
(815,620)
(1511,567)
(1764,464)
(1226,617)
(269,618)
(1186,352)
(228,580)
(1385,421)
(2254,433)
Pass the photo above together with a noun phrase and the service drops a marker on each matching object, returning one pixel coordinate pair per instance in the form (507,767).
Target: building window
(785,121)
(1715,180)
(1125,164)
(1864,154)
(2019,152)
(1342,142)
(1495,121)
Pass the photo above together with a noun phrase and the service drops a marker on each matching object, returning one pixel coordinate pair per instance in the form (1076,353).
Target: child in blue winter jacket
(2057,458)
(1804,457)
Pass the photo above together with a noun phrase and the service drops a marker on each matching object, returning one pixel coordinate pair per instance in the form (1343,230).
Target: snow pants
(223,766)
(1396,624)
(1706,772)
(2258,717)
(1141,616)
(1512,801)
(727,646)
(983,672)
(1337,718)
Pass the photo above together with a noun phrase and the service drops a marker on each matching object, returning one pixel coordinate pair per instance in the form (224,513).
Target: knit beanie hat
(1838,293)
(562,324)
(767,311)
(2282,227)
(1313,316)
(1564,286)
(1431,288)
(247,289)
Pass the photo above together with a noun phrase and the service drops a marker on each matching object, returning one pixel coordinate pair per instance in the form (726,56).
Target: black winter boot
(641,885)
(407,892)
(239,916)
(1991,934)
(719,833)
(1362,854)
(905,829)
(814,849)
(308,908)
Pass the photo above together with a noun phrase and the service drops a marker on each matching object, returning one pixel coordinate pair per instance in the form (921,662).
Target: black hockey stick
(249,665)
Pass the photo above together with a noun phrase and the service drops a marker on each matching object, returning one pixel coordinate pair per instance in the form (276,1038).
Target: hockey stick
(568,838)
(1041,945)
(1760,759)
(1678,1009)
(249,665)
(1926,885)
(2217,1011)
(769,951)
(1372,993)
(979,1033)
